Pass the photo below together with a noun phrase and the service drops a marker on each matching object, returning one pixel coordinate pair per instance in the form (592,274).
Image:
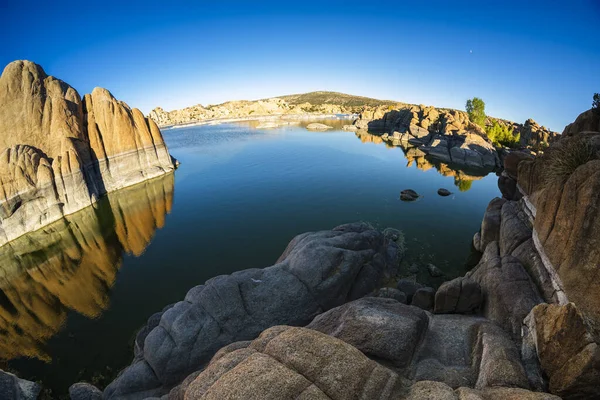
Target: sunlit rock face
(59,153)
(72,263)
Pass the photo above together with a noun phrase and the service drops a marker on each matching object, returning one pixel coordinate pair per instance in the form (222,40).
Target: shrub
(502,135)
(561,160)
(476,110)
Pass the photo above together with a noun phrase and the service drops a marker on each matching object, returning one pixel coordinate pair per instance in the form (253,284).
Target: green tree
(502,135)
(596,103)
(476,110)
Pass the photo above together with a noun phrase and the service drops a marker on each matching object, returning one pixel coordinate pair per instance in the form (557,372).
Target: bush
(502,135)
(476,110)
(561,160)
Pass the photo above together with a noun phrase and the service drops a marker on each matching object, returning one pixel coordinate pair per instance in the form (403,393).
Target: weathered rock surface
(14,388)
(461,295)
(568,353)
(588,121)
(508,291)
(470,351)
(382,329)
(391,293)
(566,226)
(294,363)
(454,349)
(424,298)
(408,287)
(59,154)
(318,271)
(84,391)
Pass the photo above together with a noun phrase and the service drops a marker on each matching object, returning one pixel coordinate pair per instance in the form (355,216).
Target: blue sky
(538,59)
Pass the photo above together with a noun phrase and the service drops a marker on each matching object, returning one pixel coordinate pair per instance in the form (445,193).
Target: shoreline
(262,118)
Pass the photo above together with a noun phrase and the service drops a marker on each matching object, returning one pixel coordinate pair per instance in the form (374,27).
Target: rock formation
(317,271)
(59,153)
(542,241)
(445,135)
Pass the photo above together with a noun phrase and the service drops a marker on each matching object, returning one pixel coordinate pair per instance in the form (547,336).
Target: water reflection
(72,264)
(463,176)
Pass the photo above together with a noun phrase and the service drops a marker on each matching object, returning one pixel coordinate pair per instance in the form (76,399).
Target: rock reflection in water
(72,264)
(463,177)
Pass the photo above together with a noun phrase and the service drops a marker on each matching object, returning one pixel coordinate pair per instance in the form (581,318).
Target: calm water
(74,294)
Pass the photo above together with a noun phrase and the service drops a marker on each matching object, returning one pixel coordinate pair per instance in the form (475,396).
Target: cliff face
(59,153)
(563,192)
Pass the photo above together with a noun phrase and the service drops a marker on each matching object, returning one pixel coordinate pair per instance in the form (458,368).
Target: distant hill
(341,99)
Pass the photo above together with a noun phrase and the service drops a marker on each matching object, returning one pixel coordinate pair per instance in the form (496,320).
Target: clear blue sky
(538,59)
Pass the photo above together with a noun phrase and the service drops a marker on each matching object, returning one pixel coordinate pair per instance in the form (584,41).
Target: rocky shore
(445,135)
(331,318)
(59,152)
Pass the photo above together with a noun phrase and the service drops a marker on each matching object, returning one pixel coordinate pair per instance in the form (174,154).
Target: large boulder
(14,388)
(508,291)
(317,272)
(383,329)
(55,147)
(568,353)
(567,227)
(460,295)
(470,351)
(294,363)
(490,225)
(588,121)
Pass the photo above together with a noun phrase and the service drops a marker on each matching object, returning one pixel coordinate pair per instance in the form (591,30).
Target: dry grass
(561,160)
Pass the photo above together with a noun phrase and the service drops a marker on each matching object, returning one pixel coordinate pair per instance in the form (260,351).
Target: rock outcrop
(541,260)
(59,153)
(567,351)
(317,271)
(445,135)
(15,388)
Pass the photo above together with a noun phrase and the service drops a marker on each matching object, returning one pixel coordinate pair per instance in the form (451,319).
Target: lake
(74,294)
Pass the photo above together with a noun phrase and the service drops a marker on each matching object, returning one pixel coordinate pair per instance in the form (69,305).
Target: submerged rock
(318,271)
(318,127)
(434,271)
(409,195)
